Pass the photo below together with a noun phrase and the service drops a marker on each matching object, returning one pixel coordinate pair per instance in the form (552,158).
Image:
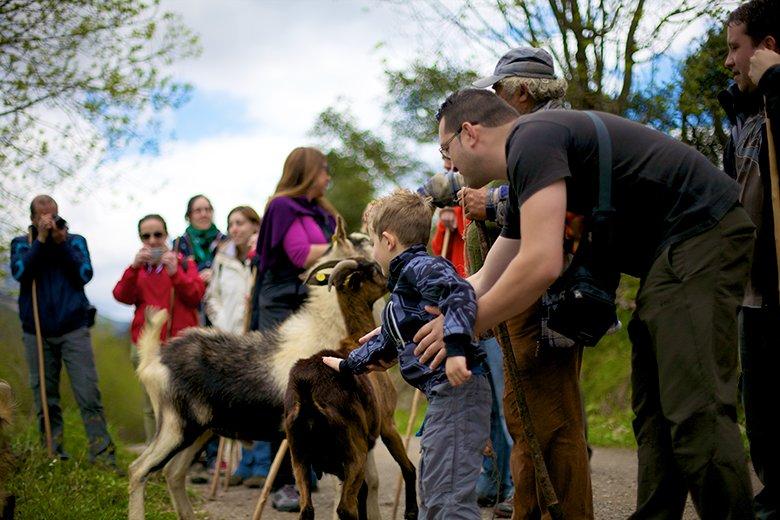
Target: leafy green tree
(361,162)
(702,77)
(597,44)
(80,81)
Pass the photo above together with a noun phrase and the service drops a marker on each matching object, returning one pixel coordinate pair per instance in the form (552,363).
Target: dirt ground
(614,490)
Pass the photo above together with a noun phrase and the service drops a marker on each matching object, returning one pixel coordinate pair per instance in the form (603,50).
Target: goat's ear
(340,234)
(353,281)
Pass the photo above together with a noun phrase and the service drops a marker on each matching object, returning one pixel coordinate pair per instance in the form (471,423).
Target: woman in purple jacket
(296,230)
(297,227)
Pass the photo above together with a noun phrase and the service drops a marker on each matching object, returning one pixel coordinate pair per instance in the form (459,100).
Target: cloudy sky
(268,68)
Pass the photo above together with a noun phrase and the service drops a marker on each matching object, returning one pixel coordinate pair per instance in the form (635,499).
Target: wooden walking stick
(217,465)
(549,498)
(775,186)
(407,441)
(41,365)
(269,481)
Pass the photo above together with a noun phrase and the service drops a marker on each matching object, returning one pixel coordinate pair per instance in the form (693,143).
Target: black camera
(60,222)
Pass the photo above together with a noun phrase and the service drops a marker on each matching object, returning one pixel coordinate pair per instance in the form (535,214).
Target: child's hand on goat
(456,370)
(370,335)
(332,362)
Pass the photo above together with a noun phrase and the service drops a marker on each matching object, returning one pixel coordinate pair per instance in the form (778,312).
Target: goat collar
(398,263)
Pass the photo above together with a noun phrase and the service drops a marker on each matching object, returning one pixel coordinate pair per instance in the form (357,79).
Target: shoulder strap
(605,163)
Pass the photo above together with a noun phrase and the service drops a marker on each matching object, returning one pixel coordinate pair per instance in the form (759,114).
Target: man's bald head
(42,204)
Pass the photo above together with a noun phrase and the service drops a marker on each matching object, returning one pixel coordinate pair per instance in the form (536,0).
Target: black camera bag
(581,303)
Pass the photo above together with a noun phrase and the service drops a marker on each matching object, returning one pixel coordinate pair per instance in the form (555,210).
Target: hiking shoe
(257,481)
(235,480)
(199,475)
(504,509)
(486,501)
(286,499)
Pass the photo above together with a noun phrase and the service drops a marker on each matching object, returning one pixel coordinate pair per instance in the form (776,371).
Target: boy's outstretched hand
(332,362)
(456,370)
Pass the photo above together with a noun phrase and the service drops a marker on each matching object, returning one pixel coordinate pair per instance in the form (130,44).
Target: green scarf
(201,240)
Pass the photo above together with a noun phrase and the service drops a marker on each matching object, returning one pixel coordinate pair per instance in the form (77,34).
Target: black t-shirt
(663,191)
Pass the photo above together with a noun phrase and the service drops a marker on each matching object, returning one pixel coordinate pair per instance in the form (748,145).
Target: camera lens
(60,222)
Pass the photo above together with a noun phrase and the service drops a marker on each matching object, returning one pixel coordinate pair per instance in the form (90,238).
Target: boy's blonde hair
(404,213)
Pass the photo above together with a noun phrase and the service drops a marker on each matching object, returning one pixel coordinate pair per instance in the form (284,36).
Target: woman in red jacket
(164,279)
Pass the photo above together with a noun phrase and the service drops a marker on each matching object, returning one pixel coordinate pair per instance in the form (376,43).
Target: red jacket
(456,246)
(146,286)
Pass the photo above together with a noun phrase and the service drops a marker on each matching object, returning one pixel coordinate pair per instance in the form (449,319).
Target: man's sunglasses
(156,234)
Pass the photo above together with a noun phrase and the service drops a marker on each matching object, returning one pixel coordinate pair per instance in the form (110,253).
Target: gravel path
(614,490)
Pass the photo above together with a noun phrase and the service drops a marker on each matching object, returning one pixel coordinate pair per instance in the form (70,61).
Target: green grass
(605,380)
(75,489)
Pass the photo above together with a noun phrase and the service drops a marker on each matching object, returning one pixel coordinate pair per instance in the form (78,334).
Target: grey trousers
(75,350)
(457,427)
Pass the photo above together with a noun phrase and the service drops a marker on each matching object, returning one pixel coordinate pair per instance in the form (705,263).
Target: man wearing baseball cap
(525,78)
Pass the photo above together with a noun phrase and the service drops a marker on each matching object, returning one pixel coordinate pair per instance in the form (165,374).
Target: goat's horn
(317,269)
(344,265)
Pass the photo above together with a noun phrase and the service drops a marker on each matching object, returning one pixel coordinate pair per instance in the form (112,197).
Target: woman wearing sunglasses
(160,278)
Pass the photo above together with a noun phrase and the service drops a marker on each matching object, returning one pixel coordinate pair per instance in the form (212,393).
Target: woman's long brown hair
(300,170)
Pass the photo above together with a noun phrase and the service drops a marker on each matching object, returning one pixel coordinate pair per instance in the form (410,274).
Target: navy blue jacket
(60,271)
(416,280)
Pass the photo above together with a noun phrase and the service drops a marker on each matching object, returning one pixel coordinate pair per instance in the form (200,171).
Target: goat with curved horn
(350,264)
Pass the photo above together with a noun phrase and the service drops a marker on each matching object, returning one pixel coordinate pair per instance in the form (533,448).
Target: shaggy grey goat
(206,381)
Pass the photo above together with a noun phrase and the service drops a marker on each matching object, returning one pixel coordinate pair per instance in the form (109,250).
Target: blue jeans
(495,480)
(255,461)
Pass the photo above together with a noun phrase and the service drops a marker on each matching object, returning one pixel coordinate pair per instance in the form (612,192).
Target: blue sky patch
(208,114)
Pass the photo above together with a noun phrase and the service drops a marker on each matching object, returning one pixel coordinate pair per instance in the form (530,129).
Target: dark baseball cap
(527,62)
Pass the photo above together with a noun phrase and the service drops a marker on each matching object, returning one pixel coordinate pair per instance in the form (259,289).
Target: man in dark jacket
(753,31)
(59,264)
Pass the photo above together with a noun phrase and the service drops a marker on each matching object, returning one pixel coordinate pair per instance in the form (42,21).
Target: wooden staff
(269,481)
(775,187)
(217,465)
(543,482)
(41,364)
(407,441)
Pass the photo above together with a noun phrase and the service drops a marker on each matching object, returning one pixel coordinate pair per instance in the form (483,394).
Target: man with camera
(673,221)
(56,263)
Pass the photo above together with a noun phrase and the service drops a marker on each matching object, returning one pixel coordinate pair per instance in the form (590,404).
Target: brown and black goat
(333,420)
(7,460)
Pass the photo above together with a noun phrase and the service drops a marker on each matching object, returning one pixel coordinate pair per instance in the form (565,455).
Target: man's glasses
(444,149)
(156,234)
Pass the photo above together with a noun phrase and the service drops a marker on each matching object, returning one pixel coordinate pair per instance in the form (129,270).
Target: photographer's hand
(59,235)
(170,261)
(45,225)
(143,256)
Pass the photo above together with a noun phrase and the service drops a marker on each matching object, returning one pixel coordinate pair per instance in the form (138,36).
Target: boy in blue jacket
(457,423)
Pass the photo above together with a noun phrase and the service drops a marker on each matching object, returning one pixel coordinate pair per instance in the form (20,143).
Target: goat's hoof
(307,513)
